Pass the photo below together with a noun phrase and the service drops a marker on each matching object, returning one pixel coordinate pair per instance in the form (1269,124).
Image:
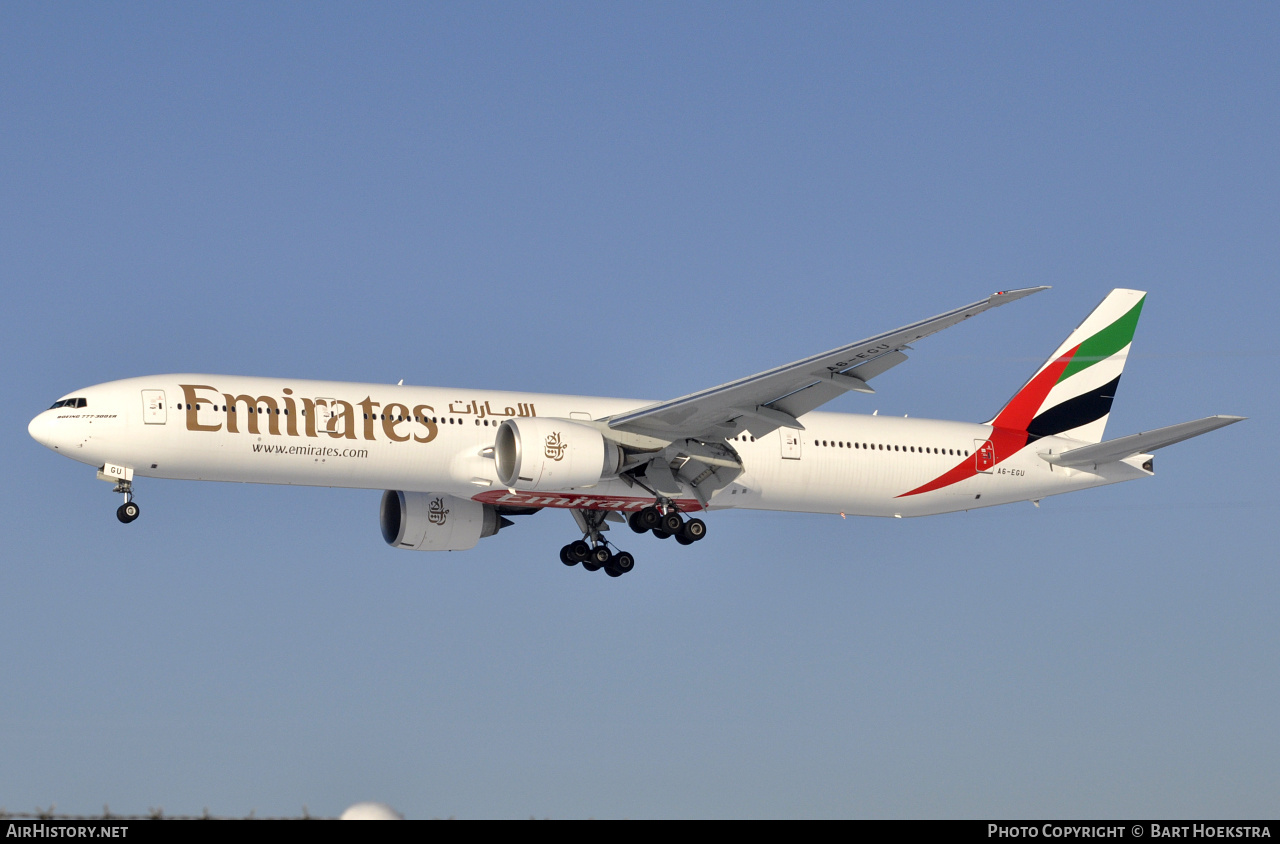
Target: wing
(775,398)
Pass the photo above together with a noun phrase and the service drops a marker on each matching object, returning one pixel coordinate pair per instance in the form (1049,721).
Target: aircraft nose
(41,431)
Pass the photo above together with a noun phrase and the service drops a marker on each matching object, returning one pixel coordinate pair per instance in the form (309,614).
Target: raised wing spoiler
(1113,450)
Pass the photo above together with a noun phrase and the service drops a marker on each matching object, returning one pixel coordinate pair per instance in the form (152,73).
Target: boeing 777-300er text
(457,463)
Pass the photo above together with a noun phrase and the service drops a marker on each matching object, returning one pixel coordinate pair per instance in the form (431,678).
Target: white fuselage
(426,439)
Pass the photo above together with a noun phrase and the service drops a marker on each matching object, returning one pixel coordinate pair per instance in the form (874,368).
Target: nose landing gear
(128,511)
(122,477)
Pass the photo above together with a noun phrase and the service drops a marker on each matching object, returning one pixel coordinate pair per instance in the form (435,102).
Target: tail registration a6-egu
(457,465)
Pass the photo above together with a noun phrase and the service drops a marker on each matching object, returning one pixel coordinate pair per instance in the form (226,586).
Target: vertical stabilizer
(1071,394)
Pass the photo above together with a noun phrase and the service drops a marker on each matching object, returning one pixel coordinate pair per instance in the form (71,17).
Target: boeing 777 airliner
(456,463)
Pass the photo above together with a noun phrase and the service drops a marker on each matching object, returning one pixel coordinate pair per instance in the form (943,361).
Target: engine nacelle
(427,521)
(543,454)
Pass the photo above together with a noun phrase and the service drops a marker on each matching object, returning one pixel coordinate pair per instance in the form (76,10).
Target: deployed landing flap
(658,476)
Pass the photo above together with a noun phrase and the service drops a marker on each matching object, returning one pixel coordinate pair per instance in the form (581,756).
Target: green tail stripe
(1105,343)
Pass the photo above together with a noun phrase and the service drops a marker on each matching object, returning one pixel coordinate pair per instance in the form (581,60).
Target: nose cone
(41,431)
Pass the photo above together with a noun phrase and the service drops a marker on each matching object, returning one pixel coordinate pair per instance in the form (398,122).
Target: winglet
(1003,296)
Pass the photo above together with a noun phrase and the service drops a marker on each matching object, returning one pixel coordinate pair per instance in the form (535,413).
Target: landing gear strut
(661,519)
(593,549)
(128,511)
(667,524)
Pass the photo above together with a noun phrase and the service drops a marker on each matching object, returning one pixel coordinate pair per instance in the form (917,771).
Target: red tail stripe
(1004,442)
(1021,409)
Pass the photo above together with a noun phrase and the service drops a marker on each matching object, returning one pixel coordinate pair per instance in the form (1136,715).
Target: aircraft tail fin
(1071,394)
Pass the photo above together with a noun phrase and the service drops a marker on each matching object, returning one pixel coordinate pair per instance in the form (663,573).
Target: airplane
(457,465)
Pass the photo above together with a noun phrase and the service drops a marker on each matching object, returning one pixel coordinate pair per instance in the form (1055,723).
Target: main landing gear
(593,551)
(614,563)
(668,524)
(128,511)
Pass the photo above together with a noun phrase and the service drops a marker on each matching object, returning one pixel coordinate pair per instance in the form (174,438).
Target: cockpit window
(76,402)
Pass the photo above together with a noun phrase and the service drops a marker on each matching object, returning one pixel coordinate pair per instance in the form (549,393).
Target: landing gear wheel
(590,566)
(566,557)
(601,556)
(612,572)
(684,540)
(127,512)
(622,562)
(634,521)
(694,529)
(579,551)
(672,523)
(649,518)
(661,534)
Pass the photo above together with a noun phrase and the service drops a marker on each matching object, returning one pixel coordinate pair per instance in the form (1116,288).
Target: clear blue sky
(642,199)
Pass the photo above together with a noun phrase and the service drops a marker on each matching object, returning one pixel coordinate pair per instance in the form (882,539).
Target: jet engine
(533,453)
(427,521)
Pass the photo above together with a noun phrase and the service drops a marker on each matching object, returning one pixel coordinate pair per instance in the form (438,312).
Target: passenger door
(984,456)
(153,407)
(790,443)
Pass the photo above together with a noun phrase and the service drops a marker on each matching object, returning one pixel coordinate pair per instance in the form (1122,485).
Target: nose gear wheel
(128,511)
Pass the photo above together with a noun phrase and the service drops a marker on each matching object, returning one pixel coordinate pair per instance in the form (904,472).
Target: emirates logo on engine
(436,514)
(555,447)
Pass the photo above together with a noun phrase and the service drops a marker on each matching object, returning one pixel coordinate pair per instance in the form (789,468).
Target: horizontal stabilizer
(1113,450)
